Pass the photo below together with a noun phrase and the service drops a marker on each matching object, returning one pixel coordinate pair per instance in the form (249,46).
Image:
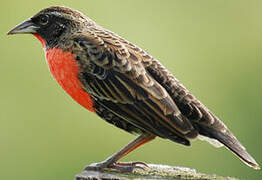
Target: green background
(213,47)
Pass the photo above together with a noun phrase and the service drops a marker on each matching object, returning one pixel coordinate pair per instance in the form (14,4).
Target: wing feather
(126,80)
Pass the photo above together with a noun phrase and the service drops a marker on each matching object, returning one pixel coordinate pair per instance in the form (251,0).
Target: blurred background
(213,47)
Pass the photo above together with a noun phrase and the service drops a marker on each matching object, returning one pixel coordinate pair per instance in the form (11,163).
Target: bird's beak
(26,27)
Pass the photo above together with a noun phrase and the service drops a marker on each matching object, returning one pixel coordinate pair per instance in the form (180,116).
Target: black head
(53,24)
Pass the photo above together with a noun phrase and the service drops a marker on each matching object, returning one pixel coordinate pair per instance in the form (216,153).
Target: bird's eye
(43,20)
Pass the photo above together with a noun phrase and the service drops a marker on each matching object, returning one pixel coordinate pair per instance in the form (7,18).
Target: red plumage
(65,70)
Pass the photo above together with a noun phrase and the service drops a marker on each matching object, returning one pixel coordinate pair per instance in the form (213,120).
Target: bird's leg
(111,162)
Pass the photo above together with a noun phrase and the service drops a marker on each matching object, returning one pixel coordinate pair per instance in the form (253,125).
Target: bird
(124,85)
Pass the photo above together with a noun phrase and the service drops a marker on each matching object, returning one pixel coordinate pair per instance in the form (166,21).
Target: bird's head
(52,24)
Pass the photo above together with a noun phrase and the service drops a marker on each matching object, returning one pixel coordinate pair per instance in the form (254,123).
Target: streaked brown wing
(190,106)
(141,113)
(121,77)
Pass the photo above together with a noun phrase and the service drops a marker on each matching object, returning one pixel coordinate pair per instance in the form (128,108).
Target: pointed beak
(25,27)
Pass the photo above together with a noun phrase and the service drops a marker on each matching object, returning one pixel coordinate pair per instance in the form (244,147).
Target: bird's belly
(65,70)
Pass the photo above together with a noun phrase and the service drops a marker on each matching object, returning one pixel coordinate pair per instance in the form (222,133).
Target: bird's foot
(127,167)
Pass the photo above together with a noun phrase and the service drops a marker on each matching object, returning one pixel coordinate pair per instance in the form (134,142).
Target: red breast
(65,69)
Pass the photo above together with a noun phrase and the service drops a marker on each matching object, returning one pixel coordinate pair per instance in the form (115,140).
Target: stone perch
(155,171)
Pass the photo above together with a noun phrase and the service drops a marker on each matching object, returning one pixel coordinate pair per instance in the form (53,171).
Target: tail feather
(225,137)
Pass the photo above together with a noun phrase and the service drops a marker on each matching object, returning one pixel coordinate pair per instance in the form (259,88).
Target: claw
(133,164)
(120,166)
(128,167)
(95,167)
